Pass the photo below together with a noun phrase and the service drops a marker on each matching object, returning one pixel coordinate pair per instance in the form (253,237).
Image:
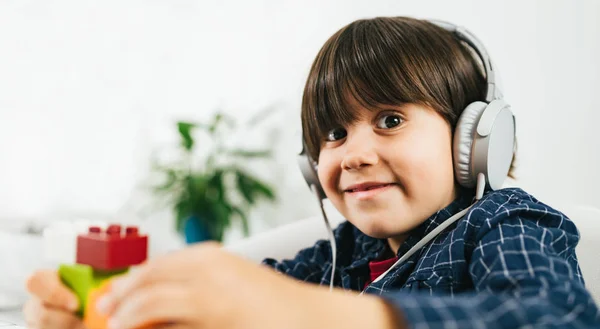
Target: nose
(360,151)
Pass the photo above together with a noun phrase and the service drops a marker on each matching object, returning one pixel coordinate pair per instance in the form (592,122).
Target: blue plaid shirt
(508,263)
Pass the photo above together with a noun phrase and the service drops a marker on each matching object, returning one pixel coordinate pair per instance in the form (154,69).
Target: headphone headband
(493,91)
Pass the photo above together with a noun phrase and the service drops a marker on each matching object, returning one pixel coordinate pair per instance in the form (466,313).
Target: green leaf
(185,129)
(197,186)
(213,126)
(249,154)
(170,181)
(218,119)
(183,211)
(251,188)
(243,219)
(264,190)
(215,189)
(221,219)
(244,185)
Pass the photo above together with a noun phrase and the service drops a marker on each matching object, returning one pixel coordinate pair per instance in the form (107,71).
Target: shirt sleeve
(525,274)
(308,265)
(314,264)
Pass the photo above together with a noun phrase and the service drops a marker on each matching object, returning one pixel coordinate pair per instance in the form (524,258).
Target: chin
(377,234)
(374,229)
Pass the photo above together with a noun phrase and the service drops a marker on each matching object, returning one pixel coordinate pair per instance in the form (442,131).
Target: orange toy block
(92,319)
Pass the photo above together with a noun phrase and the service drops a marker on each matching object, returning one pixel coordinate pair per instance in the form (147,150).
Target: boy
(380,110)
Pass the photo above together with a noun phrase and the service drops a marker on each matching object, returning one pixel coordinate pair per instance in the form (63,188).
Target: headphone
(483,147)
(484,137)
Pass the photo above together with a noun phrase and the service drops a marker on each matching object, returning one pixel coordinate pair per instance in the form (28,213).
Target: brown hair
(388,61)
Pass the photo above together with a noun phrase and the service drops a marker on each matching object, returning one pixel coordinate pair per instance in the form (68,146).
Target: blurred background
(91,92)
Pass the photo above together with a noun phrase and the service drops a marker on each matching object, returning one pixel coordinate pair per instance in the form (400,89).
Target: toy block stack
(102,255)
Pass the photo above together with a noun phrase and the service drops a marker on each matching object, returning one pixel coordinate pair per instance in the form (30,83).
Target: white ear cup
(464,134)
(494,143)
(484,143)
(309,170)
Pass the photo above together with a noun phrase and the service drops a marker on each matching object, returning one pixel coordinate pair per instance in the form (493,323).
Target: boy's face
(408,148)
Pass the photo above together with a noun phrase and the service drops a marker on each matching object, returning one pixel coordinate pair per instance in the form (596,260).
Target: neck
(395,242)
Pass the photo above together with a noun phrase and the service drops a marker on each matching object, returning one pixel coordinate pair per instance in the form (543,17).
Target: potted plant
(208,197)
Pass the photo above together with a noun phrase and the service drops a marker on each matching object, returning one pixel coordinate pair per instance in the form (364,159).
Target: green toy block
(83,278)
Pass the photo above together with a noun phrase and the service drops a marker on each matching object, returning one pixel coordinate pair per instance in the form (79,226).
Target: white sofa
(290,238)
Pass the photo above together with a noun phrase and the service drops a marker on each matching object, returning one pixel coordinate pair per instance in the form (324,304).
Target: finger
(38,315)
(158,306)
(31,309)
(170,326)
(47,286)
(160,270)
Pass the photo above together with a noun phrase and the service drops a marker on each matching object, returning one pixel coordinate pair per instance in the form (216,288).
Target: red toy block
(112,249)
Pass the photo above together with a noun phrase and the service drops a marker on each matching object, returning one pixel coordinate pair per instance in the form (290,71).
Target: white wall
(88,89)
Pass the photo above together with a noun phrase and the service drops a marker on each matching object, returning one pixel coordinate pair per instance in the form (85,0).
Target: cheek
(327,172)
(428,158)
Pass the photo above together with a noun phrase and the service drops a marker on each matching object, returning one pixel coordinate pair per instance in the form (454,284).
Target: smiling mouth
(369,193)
(374,187)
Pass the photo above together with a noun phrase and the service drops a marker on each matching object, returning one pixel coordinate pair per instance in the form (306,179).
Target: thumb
(47,286)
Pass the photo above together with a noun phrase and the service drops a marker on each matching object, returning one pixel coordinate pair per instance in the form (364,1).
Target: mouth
(368,190)
(367,187)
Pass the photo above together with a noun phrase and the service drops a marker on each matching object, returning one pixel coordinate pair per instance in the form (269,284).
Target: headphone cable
(313,188)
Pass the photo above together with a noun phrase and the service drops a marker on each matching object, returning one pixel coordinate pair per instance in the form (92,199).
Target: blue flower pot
(195,230)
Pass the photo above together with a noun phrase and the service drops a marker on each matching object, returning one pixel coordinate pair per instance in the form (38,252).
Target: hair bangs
(386,62)
(356,66)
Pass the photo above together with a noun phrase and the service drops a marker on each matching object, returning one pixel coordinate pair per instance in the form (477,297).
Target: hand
(206,287)
(199,287)
(52,305)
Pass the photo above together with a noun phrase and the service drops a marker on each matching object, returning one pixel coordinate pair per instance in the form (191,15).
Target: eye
(388,121)
(336,134)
